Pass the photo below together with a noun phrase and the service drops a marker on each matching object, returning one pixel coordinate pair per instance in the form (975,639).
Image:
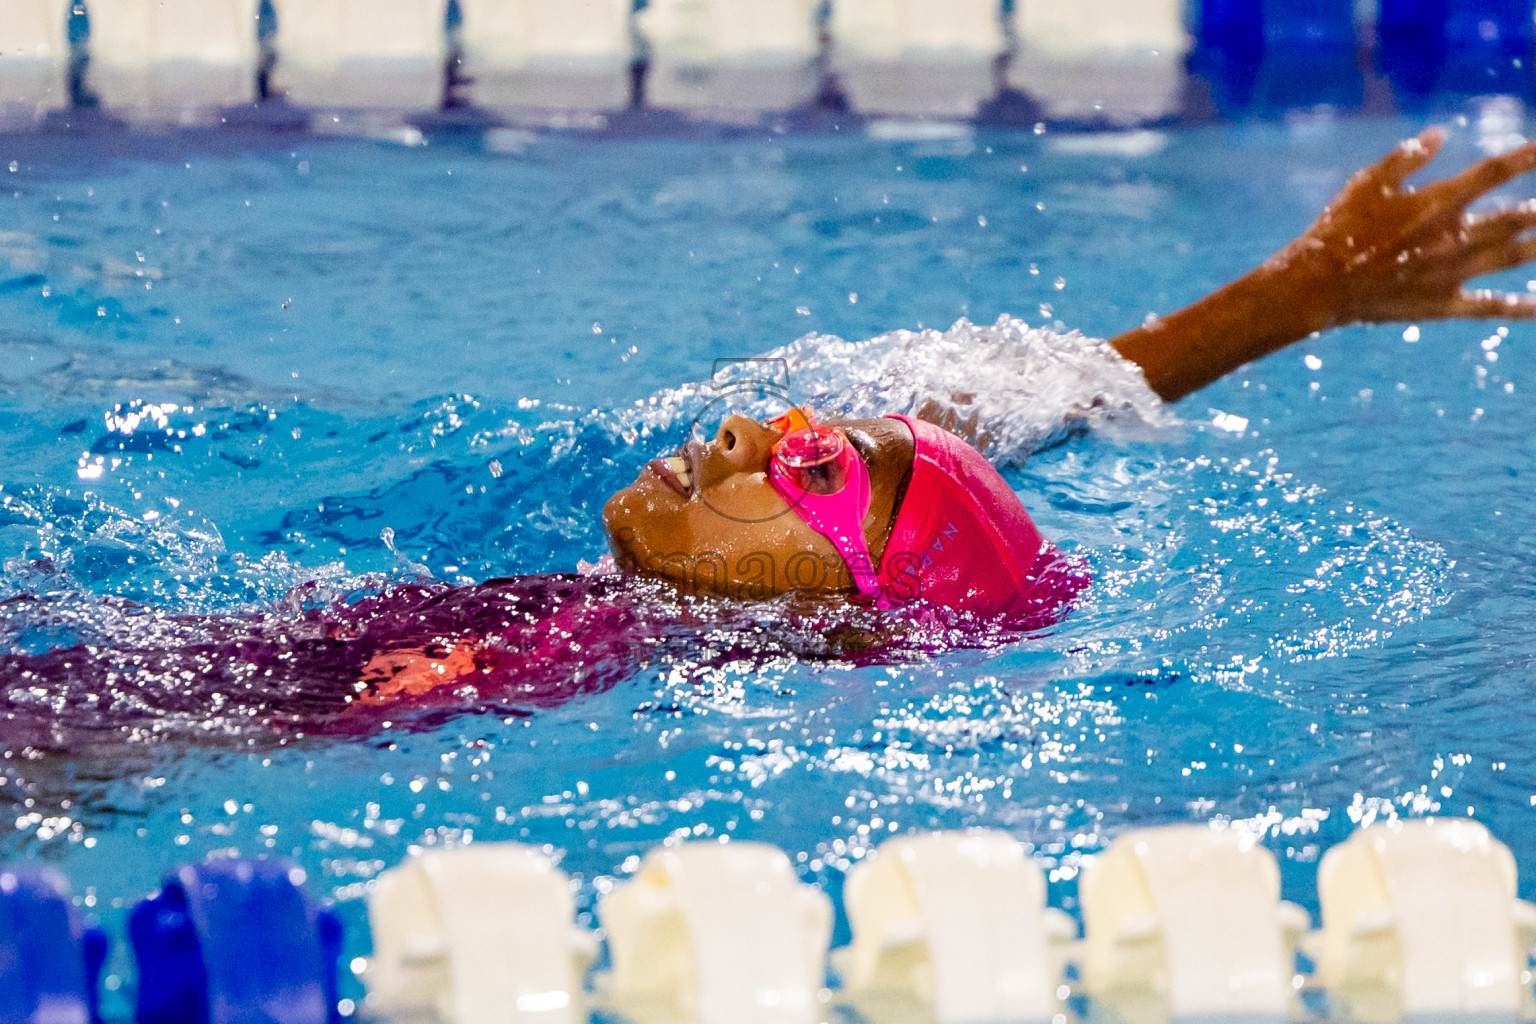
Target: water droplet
(1060,283)
(597,328)
(853,297)
(1411,333)
(1313,363)
(15,166)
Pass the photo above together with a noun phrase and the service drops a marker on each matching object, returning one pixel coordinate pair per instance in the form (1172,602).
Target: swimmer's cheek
(631,553)
(622,542)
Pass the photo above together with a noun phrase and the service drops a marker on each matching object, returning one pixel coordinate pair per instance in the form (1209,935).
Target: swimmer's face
(709,520)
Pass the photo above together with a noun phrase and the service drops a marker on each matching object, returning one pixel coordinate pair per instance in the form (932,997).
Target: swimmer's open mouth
(677,472)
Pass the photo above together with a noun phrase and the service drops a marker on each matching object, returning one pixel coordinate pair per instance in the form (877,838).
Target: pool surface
(234,364)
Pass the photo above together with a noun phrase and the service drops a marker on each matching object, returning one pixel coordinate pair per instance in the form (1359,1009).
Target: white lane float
(34,59)
(1421,922)
(917,58)
(1186,922)
(717,933)
(955,923)
(1115,61)
(361,54)
(173,61)
(477,935)
(527,56)
(729,60)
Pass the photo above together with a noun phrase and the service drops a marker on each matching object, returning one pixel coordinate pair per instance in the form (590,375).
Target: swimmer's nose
(745,443)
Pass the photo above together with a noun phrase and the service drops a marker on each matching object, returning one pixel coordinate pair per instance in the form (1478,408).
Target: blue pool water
(371,361)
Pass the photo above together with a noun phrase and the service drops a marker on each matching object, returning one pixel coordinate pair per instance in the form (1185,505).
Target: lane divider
(50,966)
(235,942)
(477,935)
(956,921)
(1190,918)
(1420,922)
(533,62)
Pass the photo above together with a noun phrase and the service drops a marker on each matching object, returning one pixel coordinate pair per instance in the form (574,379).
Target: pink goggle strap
(839,517)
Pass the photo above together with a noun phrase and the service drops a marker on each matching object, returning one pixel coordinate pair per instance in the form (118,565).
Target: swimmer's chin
(644,499)
(632,507)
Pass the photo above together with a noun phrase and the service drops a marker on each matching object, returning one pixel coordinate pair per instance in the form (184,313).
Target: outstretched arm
(1382,250)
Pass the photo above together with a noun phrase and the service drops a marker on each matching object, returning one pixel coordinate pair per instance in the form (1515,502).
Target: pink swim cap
(962,540)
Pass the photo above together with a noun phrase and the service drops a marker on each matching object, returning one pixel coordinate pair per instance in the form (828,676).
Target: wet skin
(719,527)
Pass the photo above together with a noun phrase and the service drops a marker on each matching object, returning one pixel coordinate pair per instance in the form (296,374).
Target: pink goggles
(820,475)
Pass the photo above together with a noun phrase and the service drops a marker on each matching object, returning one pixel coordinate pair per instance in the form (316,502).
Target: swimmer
(940,526)
(875,538)
(904,513)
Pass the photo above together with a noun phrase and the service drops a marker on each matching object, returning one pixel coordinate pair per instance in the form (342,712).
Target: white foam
(1016,388)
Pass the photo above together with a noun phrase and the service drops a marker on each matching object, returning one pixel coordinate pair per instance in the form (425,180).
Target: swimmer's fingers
(1482,177)
(1408,156)
(1496,229)
(1466,246)
(1499,254)
(1483,303)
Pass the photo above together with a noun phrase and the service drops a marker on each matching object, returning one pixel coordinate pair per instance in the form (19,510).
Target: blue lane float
(235,942)
(1229,49)
(49,965)
(1318,23)
(1277,54)
(1281,54)
(1311,55)
(1411,45)
(1455,46)
(1488,47)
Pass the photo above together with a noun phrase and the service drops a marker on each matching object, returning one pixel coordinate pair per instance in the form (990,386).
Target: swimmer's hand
(1381,251)
(1405,253)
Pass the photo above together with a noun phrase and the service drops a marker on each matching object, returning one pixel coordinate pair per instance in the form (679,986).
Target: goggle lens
(813,460)
(813,446)
(819,474)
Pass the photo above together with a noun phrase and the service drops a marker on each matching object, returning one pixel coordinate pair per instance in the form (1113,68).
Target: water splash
(1018,388)
(128,624)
